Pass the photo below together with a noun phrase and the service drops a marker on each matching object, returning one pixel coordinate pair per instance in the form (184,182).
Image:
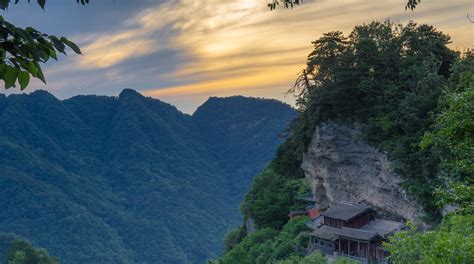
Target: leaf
(39,72)
(59,45)
(31,67)
(10,77)
(42,3)
(53,55)
(71,45)
(23,79)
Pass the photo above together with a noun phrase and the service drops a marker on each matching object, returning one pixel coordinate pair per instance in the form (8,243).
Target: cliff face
(340,166)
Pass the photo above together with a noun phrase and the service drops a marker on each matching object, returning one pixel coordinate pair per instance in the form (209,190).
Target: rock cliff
(340,166)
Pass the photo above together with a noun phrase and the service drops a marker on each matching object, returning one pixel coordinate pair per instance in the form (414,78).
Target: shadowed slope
(129,178)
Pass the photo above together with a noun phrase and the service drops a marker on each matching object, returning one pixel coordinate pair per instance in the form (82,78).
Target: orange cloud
(239,45)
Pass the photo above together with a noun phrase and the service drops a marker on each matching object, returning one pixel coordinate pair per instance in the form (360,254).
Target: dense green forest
(413,96)
(130,179)
(16,250)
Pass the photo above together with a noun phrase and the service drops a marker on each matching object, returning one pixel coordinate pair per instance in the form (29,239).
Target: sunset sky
(184,51)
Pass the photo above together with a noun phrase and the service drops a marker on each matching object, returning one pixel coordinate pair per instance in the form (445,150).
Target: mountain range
(130,179)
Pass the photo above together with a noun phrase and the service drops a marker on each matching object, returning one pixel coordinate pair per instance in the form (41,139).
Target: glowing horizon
(185,51)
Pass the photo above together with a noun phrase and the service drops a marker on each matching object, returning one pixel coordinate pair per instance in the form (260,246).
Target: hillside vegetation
(16,250)
(130,179)
(413,97)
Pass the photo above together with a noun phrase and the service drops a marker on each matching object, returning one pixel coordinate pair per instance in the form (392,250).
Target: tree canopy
(22,252)
(452,242)
(388,77)
(413,97)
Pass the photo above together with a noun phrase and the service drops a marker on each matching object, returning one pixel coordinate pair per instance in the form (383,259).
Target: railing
(326,250)
(360,259)
(363,260)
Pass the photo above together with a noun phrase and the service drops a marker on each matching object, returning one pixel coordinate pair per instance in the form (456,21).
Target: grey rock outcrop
(250,226)
(340,166)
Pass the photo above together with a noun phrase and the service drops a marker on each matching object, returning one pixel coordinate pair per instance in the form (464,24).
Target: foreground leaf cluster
(23,50)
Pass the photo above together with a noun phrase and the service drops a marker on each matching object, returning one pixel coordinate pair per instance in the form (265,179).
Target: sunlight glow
(235,45)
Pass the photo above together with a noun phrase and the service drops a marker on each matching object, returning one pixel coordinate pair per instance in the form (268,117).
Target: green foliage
(387,77)
(314,258)
(130,179)
(452,242)
(268,200)
(4,4)
(451,142)
(268,245)
(271,197)
(457,194)
(251,247)
(293,237)
(412,4)
(451,139)
(234,237)
(285,3)
(343,260)
(23,49)
(21,252)
(399,82)
(452,135)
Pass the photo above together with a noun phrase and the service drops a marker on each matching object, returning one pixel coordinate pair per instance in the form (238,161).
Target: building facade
(351,230)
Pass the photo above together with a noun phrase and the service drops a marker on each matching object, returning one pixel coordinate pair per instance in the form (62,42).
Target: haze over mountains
(97,179)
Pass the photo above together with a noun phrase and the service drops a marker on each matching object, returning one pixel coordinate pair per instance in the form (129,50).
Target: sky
(184,51)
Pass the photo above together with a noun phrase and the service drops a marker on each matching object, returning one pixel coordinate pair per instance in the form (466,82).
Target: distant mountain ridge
(130,179)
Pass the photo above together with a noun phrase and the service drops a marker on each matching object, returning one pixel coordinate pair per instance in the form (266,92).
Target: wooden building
(351,230)
(310,209)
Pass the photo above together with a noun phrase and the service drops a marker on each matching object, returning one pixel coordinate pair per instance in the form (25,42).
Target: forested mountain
(413,98)
(97,179)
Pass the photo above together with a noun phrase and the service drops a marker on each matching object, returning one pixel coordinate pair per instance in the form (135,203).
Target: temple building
(351,230)
(309,208)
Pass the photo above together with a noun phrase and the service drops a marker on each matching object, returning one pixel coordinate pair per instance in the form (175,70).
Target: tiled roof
(333,233)
(383,227)
(345,211)
(326,232)
(355,233)
(315,222)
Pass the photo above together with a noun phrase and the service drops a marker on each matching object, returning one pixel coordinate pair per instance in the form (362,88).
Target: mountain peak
(42,94)
(129,93)
(238,103)
(147,156)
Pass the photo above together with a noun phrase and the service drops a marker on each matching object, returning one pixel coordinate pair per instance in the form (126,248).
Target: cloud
(186,50)
(240,45)
(113,49)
